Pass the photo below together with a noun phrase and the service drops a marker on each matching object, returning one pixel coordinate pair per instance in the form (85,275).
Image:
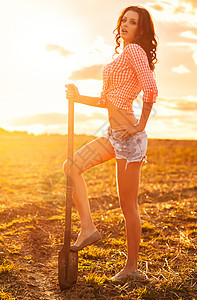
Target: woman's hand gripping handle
(72,92)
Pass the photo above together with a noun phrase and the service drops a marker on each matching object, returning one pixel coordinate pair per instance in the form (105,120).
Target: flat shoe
(134,275)
(90,240)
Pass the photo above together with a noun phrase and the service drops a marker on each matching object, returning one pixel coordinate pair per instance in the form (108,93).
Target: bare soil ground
(32,204)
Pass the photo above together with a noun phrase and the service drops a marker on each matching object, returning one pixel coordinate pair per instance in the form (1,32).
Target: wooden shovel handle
(69,185)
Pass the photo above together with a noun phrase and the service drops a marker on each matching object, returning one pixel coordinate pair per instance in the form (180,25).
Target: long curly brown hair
(145,35)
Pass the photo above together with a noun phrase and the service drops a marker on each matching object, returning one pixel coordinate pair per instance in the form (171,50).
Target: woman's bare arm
(87,100)
(146,110)
(72,93)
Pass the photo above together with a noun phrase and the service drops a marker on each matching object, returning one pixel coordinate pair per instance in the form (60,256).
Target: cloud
(44,119)
(181,69)
(180,11)
(91,72)
(192,2)
(96,116)
(60,49)
(189,34)
(175,119)
(186,105)
(182,104)
(195,57)
(157,7)
(54,119)
(186,5)
(192,46)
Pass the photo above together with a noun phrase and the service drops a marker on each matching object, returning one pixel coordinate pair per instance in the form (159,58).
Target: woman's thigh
(92,154)
(128,181)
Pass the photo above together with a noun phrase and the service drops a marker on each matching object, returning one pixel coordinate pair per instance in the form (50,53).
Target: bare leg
(82,203)
(128,182)
(92,154)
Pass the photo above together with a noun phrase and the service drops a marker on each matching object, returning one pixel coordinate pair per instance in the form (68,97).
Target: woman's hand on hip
(128,130)
(72,92)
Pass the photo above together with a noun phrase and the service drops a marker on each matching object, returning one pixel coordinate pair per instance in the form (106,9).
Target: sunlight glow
(45,44)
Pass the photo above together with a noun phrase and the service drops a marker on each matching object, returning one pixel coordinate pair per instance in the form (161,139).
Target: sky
(46,44)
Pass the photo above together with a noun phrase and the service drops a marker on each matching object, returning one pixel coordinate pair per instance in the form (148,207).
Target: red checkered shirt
(126,76)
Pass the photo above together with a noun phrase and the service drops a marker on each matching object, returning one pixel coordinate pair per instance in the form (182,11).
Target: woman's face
(129,26)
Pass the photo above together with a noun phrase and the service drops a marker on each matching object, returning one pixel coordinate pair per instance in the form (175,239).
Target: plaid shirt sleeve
(138,59)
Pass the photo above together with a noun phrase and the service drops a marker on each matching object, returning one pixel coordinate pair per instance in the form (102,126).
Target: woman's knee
(128,205)
(65,166)
(76,170)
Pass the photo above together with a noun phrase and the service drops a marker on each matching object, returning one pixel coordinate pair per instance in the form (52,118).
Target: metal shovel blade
(67,268)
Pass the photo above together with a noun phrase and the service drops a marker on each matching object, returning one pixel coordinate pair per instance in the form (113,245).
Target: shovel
(67,259)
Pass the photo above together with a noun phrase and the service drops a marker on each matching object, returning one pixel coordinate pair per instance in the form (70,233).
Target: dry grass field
(32,203)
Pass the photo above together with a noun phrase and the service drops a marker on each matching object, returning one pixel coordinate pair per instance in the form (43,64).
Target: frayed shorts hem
(143,159)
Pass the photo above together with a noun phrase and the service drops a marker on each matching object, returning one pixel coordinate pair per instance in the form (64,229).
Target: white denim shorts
(132,148)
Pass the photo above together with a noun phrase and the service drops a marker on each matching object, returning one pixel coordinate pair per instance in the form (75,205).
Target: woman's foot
(85,238)
(124,274)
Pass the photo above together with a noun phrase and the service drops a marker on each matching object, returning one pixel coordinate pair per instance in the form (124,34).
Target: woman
(126,139)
